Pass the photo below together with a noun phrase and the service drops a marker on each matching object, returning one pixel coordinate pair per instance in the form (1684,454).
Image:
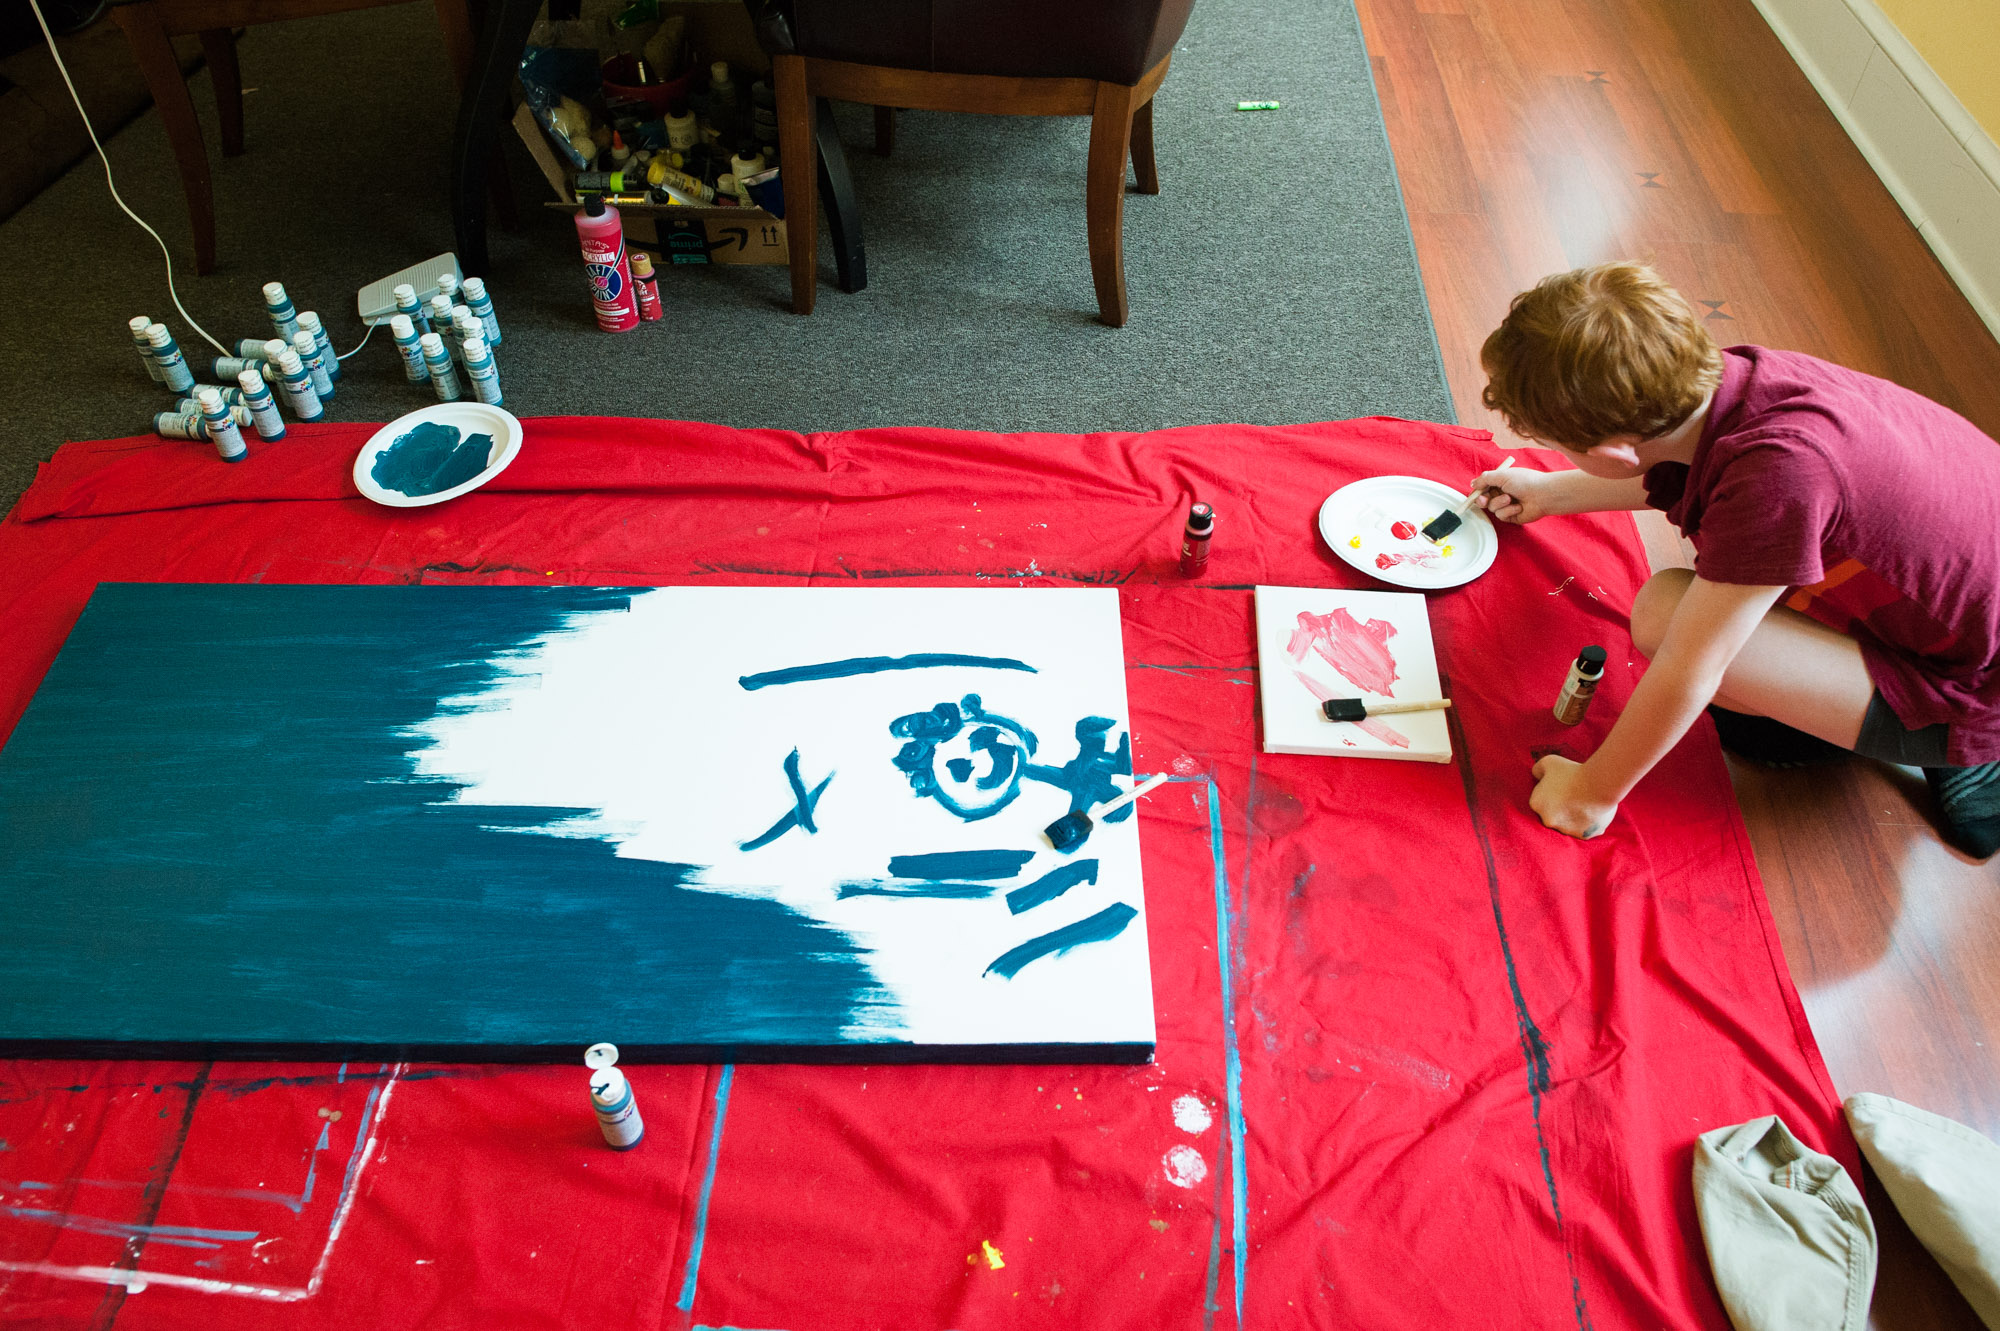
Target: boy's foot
(1968,806)
(1772,743)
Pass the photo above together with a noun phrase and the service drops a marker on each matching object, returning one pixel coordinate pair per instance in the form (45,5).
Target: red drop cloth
(1474,1055)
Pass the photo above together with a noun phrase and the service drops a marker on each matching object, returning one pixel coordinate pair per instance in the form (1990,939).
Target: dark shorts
(1883,736)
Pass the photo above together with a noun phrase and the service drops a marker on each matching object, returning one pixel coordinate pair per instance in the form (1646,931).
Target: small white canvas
(1316,643)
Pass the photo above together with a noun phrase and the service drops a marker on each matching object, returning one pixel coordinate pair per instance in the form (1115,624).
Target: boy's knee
(1654,608)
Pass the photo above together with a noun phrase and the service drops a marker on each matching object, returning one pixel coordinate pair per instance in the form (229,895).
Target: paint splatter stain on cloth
(994,1260)
(1184,1166)
(1360,652)
(432,457)
(1191,1115)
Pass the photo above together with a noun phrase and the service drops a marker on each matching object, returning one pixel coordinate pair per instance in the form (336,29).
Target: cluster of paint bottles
(298,364)
(446,339)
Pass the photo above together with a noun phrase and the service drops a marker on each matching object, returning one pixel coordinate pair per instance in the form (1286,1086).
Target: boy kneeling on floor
(1847,533)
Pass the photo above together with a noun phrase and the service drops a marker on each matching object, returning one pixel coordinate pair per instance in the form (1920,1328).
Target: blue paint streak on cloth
(980,864)
(430,458)
(873,665)
(1107,923)
(1051,885)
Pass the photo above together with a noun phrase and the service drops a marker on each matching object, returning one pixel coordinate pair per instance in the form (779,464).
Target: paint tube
(252,348)
(228,367)
(222,427)
(439,311)
(1580,686)
(438,361)
(278,305)
(408,348)
(309,356)
(612,1100)
(263,408)
(479,367)
(179,425)
(309,322)
(647,283)
(481,305)
(139,325)
(659,173)
(410,308)
(174,370)
(298,386)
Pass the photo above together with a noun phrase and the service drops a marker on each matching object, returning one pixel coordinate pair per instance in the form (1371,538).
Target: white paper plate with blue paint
(1376,525)
(436,454)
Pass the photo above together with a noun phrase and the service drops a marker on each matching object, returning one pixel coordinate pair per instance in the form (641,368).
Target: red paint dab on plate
(1404,531)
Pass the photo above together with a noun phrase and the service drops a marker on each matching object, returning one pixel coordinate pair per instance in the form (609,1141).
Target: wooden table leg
(1104,199)
(496,54)
(162,72)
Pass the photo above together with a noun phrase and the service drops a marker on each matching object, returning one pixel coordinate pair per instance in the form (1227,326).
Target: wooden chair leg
(1104,198)
(885,130)
(1143,165)
(162,72)
(218,46)
(476,141)
(799,173)
(836,195)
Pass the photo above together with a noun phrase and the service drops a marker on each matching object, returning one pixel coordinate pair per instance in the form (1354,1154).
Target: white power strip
(377,301)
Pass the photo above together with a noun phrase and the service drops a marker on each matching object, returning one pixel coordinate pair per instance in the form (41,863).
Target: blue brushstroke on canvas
(431,458)
(981,864)
(878,887)
(873,665)
(1051,885)
(1106,924)
(215,777)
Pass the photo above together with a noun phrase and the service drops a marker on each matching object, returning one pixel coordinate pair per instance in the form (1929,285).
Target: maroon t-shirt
(1877,507)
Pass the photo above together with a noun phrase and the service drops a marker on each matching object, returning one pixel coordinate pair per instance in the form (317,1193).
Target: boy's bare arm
(1709,628)
(1518,494)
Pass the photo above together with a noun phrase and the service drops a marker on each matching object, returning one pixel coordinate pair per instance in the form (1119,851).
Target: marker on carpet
(1068,832)
(1449,521)
(1360,709)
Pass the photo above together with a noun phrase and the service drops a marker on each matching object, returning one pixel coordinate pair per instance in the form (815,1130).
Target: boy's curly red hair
(1598,352)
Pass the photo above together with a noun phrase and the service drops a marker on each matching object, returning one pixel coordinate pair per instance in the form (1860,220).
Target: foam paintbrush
(1360,709)
(1067,832)
(1449,521)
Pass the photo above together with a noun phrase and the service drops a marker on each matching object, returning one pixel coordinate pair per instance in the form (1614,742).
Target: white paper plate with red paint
(1376,525)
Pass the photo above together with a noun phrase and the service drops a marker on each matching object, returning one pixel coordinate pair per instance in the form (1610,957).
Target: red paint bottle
(647,284)
(603,237)
(1194,540)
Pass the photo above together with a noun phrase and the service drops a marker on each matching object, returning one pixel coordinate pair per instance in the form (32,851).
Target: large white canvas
(643,719)
(1315,643)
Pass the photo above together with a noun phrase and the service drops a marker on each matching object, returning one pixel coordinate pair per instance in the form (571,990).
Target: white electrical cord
(113,186)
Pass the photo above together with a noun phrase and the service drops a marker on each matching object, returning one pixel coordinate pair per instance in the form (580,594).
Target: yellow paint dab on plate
(1354,542)
(1445,550)
(991,1254)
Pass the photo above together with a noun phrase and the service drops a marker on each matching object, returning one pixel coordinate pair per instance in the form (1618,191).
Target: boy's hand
(1564,803)
(1513,494)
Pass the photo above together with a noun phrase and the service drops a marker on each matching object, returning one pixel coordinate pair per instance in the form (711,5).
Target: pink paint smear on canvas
(1380,729)
(1358,651)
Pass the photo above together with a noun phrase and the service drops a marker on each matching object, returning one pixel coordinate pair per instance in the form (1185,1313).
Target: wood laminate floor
(1534,136)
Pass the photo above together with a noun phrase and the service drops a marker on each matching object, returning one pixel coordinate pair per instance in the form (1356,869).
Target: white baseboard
(1942,168)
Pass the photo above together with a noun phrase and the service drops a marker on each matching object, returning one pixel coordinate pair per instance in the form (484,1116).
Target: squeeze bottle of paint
(283,317)
(263,407)
(409,348)
(1194,540)
(222,427)
(309,356)
(309,322)
(682,131)
(139,325)
(411,308)
(481,306)
(252,348)
(228,367)
(464,324)
(1581,686)
(611,1097)
(447,286)
(174,370)
(438,361)
(179,425)
(603,238)
(437,316)
(479,368)
(298,386)
(648,284)
(231,397)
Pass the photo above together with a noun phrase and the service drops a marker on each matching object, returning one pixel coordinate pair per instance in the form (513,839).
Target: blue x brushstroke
(803,801)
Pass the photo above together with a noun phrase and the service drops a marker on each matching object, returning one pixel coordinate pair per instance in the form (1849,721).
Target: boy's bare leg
(1793,669)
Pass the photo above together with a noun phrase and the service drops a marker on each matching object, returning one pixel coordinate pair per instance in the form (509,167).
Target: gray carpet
(1272,280)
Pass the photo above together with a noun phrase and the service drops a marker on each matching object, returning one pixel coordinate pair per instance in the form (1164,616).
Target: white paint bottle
(479,367)
(438,361)
(438,309)
(409,348)
(179,425)
(309,356)
(222,428)
(411,308)
(139,325)
(612,1100)
(310,323)
(279,306)
(174,370)
(263,407)
(481,306)
(298,385)
(252,348)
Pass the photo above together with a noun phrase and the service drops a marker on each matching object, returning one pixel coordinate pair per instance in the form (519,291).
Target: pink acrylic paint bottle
(603,238)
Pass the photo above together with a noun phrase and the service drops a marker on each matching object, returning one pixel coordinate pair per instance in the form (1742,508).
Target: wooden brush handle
(1384,708)
(1507,461)
(1130,795)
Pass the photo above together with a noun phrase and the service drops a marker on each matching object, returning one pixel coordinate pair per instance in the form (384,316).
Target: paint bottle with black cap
(611,1097)
(1581,686)
(1194,540)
